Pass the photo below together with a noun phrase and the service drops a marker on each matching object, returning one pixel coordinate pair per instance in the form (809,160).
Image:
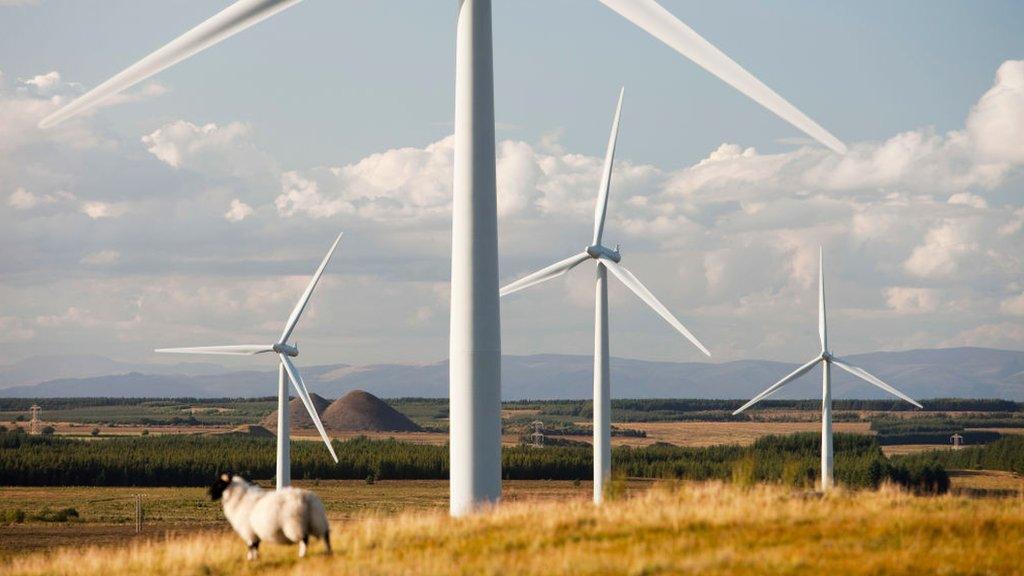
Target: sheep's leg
(254,550)
(327,541)
(303,544)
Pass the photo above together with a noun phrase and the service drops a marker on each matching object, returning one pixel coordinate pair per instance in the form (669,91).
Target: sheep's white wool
(287,516)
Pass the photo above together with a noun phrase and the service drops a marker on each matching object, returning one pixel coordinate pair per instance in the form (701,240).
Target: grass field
(106,514)
(711,433)
(679,433)
(694,528)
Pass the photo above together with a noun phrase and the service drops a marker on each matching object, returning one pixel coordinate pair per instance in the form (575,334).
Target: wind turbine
(286,371)
(475,341)
(606,259)
(826,359)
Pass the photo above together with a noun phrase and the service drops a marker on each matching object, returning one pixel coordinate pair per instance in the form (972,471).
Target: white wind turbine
(826,359)
(286,371)
(606,259)
(475,342)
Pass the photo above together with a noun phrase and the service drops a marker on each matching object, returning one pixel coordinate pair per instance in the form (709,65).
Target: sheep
(284,516)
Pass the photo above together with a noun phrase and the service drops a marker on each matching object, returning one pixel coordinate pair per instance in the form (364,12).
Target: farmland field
(690,528)
(709,442)
(106,514)
(678,433)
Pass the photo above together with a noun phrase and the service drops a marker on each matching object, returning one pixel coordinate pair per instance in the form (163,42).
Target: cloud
(238,211)
(98,210)
(994,123)
(13,329)
(1005,335)
(22,199)
(44,83)
(943,249)
(968,199)
(915,226)
(908,300)
(101,258)
(73,316)
(1013,305)
(399,184)
(208,148)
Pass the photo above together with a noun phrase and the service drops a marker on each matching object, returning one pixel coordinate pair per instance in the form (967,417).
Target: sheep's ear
(225,477)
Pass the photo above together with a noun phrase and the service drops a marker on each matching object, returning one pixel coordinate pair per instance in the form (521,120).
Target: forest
(193,460)
(1007,453)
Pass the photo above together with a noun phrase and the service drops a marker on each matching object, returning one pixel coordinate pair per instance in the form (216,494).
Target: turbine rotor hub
(597,250)
(285,349)
(826,356)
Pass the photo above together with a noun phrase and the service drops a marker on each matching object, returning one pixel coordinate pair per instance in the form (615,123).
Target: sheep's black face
(220,486)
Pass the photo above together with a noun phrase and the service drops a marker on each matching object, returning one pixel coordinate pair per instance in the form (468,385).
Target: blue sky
(335,81)
(333,116)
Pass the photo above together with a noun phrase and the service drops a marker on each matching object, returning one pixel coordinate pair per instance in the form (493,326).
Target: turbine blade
(660,23)
(771,389)
(553,271)
(640,290)
(301,304)
(822,328)
(606,177)
(872,379)
(300,389)
(239,350)
(224,24)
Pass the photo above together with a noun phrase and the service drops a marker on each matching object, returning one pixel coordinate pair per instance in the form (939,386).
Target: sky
(192,209)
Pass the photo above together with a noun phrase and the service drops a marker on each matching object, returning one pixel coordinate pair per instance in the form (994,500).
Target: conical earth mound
(297,414)
(359,410)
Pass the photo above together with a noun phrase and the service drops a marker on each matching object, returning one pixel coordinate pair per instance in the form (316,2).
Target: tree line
(1007,453)
(194,460)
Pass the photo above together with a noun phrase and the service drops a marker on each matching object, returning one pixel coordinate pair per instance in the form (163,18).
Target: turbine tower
(474,344)
(286,371)
(826,359)
(606,259)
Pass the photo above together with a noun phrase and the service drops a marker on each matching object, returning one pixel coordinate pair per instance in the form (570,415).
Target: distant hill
(951,372)
(43,368)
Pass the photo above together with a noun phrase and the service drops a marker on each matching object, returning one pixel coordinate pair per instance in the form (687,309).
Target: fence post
(138,513)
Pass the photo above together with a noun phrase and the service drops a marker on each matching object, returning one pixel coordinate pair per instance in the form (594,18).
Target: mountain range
(935,373)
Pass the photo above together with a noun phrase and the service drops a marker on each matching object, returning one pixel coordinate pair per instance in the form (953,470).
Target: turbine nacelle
(287,350)
(598,251)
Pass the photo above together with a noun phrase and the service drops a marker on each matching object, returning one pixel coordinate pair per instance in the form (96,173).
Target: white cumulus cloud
(238,211)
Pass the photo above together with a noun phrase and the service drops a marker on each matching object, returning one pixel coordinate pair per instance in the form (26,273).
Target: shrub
(744,471)
(95,432)
(62,515)
(798,473)
(48,431)
(13,516)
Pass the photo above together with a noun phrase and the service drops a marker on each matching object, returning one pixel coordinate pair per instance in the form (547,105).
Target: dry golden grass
(695,528)
(107,513)
(986,482)
(903,449)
